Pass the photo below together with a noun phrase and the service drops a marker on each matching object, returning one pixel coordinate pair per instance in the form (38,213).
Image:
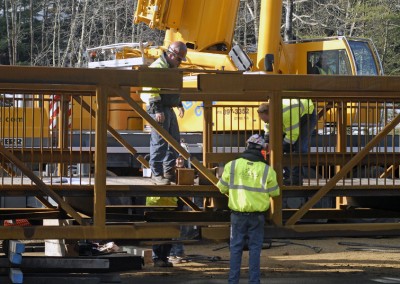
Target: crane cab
(343,56)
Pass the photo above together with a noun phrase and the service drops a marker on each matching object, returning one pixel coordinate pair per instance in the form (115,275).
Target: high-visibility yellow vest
(249,185)
(323,72)
(153,94)
(292,111)
(161,201)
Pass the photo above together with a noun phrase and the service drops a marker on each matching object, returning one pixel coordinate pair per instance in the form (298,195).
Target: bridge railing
(353,150)
(38,154)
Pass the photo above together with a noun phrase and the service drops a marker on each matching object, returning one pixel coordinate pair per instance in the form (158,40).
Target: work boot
(160,180)
(170,175)
(162,263)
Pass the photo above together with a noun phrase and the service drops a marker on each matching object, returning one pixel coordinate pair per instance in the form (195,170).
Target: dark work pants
(162,155)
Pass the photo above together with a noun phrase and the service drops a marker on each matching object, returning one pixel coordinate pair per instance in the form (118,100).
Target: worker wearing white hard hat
(250,182)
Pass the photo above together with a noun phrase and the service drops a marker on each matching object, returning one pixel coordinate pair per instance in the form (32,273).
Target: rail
(46,112)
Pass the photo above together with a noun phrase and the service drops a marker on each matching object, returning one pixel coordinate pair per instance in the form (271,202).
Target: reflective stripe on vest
(233,186)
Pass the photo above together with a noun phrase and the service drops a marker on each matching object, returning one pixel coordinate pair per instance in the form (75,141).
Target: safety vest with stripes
(323,72)
(249,185)
(153,94)
(292,111)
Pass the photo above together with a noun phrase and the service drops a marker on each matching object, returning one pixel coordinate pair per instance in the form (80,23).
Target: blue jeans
(177,249)
(162,155)
(251,226)
(307,126)
(161,252)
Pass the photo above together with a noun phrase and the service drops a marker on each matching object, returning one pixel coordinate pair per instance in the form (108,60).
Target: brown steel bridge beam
(116,135)
(171,141)
(41,185)
(346,168)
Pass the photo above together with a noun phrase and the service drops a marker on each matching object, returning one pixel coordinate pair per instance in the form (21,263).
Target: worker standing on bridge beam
(162,155)
(299,121)
(160,107)
(250,182)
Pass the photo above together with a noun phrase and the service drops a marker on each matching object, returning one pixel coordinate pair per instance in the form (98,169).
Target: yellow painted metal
(100,169)
(19,123)
(269,37)
(41,185)
(130,231)
(294,57)
(159,14)
(225,116)
(206,24)
(164,133)
(276,153)
(203,24)
(213,87)
(117,136)
(389,127)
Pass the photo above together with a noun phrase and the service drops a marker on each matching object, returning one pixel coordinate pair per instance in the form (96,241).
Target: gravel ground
(372,258)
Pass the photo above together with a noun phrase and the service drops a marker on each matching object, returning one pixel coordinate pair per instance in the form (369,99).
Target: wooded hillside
(57,33)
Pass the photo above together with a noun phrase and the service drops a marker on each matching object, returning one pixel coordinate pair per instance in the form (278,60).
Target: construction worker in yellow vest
(323,66)
(299,119)
(160,107)
(250,182)
(161,252)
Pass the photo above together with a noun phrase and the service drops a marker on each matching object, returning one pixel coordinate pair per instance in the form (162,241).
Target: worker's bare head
(176,53)
(263,112)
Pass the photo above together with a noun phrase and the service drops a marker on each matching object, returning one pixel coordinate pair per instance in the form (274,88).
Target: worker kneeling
(250,182)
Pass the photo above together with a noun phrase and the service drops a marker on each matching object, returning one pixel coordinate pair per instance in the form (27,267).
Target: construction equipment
(105,132)
(207,28)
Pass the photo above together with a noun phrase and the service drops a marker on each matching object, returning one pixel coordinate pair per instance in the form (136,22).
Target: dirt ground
(211,260)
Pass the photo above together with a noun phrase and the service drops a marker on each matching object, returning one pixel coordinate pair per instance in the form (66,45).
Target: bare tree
(288,32)
(71,33)
(81,45)
(10,57)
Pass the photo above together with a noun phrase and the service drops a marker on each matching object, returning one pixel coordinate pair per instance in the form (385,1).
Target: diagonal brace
(332,182)
(115,134)
(171,141)
(40,184)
